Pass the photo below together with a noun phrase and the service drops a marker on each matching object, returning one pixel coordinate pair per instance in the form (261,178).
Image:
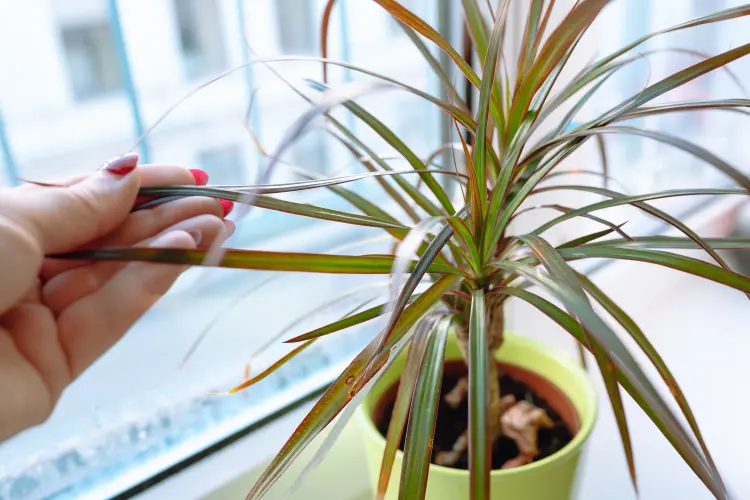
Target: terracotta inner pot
(539,385)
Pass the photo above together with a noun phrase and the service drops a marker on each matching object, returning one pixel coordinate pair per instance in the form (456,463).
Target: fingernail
(227,206)
(196,235)
(201,177)
(230,227)
(121,165)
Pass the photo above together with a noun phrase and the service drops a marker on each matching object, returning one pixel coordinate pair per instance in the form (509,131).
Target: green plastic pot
(552,478)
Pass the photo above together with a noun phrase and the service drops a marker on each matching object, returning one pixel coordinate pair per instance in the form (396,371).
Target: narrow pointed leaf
(485,95)
(574,328)
(674,242)
(475,21)
(679,262)
(339,394)
(553,50)
(480,445)
(278,205)
(559,270)
(625,362)
(410,19)
(586,239)
(464,233)
(687,146)
(397,144)
(653,355)
(423,416)
(343,323)
(406,385)
(256,259)
(673,81)
(650,209)
(271,369)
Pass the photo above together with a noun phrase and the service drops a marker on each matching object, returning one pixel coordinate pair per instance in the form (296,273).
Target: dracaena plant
(463,247)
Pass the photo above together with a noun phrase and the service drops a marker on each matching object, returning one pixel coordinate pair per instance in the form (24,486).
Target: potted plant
(445,418)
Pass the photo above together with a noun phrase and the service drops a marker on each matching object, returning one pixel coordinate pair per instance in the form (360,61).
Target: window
(200,33)
(135,412)
(296,26)
(92,61)
(223,165)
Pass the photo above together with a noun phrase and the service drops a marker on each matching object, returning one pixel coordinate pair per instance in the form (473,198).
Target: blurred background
(85,79)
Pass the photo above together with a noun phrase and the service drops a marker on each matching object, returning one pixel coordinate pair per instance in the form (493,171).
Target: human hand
(57,317)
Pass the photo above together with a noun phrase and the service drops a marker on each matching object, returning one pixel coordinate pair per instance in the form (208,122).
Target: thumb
(60,219)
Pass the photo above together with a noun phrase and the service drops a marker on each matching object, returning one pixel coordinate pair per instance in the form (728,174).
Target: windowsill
(218,476)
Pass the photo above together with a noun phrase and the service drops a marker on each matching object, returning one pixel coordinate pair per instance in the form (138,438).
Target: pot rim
(587,412)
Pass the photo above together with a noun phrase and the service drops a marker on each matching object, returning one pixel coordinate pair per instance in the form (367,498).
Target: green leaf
(464,233)
(528,50)
(271,369)
(457,112)
(340,392)
(408,18)
(406,385)
(586,239)
(256,259)
(566,210)
(343,323)
(485,95)
(423,416)
(424,263)
(687,146)
(480,442)
(736,105)
(392,192)
(650,209)
(679,262)
(418,197)
(673,242)
(624,361)
(653,355)
(619,199)
(572,326)
(475,21)
(723,15)
(567,32)
(397,144)
(278,205)
(673,81)
(559,270)
(436,67)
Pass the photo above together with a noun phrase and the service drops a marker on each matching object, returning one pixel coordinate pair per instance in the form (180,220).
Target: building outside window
(296,26)
(200,35)
(92,62)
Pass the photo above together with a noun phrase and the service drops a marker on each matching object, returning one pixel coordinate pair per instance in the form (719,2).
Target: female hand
(58,317)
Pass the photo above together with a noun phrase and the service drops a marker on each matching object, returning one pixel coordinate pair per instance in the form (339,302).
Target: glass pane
(201,36)
(296,26)
(91,60)
(139,409)
(223,165)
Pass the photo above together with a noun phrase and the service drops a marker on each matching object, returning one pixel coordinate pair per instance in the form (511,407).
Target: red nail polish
(122,165)
(227,206)
(201,177)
